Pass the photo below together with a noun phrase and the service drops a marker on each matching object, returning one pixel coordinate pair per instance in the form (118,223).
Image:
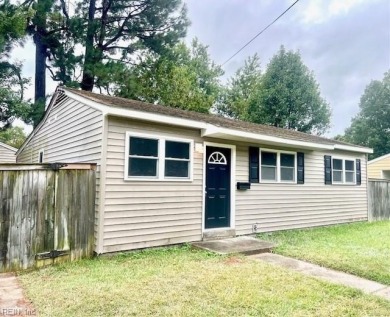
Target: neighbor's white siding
(72,133)
(7,155)
(286,206)
(141,214)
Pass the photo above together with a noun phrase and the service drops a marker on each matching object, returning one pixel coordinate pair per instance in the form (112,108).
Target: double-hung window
(278,166)
(157,158)
(343,171)
(143,157)
(177,159)
(337,171)
(269,166)
(287,167)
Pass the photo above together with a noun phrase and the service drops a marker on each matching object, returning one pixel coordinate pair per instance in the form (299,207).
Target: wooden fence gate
(378,199)
(46,214)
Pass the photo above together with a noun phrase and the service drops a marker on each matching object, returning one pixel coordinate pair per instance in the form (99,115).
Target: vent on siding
(61,97)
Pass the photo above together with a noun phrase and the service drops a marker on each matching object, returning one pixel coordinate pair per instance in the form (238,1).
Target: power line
(285,11)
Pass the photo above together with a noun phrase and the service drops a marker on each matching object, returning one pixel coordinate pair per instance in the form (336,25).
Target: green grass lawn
(361,248)
(179,281)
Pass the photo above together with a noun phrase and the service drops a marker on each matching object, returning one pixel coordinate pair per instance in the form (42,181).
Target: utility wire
(285,11)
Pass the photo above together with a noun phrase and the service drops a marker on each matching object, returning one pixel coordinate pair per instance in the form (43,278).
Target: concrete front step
(243,245)
(216,234)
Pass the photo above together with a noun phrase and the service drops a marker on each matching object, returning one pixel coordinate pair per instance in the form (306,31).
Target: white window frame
(344,171)
(39,156)
(278,167)
(160,158)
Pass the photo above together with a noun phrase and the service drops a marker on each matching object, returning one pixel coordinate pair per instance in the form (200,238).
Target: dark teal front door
(218,170)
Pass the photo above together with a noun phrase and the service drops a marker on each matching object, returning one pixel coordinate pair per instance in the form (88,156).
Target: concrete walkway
(12,300)
(366,286)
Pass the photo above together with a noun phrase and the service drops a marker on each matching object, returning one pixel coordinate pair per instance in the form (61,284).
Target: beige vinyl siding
(286,206)
(379,169)
(141,214)
(7,155)
(71,133)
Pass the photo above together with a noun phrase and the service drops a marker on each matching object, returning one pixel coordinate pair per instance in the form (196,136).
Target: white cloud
(319,11)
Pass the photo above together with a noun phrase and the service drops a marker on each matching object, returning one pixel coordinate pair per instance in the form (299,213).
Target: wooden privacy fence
(378,199)
(46,214)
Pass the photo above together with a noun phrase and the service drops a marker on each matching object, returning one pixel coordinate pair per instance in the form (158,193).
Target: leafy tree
(118,30)
(12,84)
(13,136)
(289,96)
(112,32)
(240,90)
(184,77)
(371,126)
(50,28)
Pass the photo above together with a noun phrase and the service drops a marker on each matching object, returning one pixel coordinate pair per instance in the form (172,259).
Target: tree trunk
(40,68)
(40,21)
(88,80)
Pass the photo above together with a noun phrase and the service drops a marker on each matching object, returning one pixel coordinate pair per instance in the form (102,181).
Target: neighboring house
(379,167)
(7,153)
(169,176)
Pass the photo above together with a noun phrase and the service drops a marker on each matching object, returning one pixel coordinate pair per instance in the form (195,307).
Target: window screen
(268,166)
(287,167)
(350,171)
(337,171)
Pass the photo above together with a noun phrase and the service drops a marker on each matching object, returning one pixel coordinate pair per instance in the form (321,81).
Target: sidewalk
(12,300)
(366,286)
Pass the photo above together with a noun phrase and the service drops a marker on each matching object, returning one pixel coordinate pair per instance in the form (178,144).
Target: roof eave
(229,134)
(352,148)
(8,147)
(379,158)
(210,130)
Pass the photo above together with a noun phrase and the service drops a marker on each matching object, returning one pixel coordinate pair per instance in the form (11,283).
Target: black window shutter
(301,168)
(328,169)
(358,172)
(254,164)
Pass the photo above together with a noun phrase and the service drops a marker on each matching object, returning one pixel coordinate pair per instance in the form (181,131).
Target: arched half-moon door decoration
(218,171)
(217,158)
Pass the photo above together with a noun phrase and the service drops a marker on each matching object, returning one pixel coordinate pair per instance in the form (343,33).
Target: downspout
(102,186)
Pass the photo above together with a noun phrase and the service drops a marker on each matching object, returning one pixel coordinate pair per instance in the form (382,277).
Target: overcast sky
(346,43)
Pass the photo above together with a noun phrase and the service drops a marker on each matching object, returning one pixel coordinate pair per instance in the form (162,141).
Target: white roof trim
(230,134)
(8,147)
(207,130)
(352,148)
(379,158)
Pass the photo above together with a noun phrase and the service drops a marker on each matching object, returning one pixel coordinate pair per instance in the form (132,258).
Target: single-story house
(168,176)
(7,153)
(379,168)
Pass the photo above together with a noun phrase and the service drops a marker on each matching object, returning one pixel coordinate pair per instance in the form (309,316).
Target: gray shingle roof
(216,120)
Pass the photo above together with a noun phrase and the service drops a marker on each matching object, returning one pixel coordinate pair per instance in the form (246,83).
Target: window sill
(276,183)
(181,180)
